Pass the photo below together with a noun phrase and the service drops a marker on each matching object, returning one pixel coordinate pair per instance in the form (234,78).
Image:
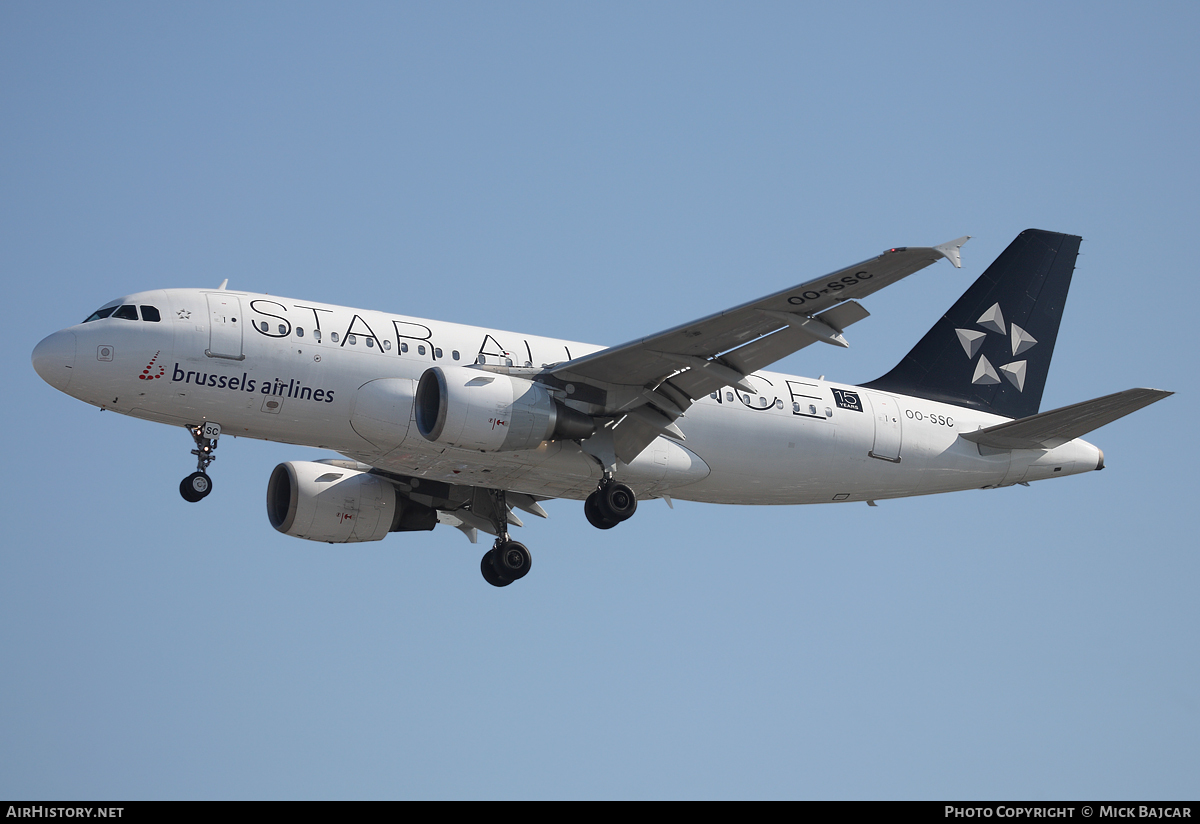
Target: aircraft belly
(557,468)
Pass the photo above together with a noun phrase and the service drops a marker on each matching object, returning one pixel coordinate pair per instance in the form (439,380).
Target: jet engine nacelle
(472,409)
(338,504)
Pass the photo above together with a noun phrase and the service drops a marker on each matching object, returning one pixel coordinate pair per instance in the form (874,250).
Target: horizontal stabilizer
(1058,426)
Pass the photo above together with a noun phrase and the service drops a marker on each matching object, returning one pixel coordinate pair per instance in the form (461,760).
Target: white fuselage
(294,371)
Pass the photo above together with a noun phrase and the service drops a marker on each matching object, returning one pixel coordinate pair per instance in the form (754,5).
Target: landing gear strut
(195,487)
(610,504)
(507,560)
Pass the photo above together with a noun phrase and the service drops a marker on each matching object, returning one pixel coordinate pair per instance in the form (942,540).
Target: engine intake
(332,503)
(470,409)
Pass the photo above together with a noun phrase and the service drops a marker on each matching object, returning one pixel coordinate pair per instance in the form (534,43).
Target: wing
(467,508)
(646,384)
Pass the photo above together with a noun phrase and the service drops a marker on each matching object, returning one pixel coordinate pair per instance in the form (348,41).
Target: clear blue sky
(599,172)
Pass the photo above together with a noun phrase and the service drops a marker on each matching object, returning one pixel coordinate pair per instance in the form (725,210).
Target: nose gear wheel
(195,487)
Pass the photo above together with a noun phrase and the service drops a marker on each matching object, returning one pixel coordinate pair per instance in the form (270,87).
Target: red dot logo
(146,376)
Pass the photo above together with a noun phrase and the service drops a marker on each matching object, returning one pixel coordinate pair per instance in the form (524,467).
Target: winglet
(224,283)
(952,251)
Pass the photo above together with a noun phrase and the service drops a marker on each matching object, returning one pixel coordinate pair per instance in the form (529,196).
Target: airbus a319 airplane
(459,425)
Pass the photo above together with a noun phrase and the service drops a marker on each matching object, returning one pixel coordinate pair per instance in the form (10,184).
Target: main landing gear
(610,504)
(507,560)
(195,487)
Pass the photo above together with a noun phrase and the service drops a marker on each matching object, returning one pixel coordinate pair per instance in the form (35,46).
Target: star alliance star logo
(972,341)
(184,314)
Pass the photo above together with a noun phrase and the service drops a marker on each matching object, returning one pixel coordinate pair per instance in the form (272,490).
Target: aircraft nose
(54,358)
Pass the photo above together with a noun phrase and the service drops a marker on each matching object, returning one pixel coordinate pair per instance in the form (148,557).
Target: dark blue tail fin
(992,350)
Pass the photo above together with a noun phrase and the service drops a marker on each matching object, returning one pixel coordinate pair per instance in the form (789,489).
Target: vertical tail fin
(992,350)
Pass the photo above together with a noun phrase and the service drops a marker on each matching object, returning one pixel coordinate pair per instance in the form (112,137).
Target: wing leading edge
(650,382)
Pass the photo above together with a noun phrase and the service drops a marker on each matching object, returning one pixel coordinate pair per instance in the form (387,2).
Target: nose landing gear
(195,487)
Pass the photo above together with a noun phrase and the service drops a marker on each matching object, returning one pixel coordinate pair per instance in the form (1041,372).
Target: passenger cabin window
(387,345)
(370,342)
(454,354)
(437,353)
(264,326)
(403,347)
(100,314)
(421,349)
(352,340)
(126,312)
(333,337)
(150,313)
(299,331)
(282,329)
(317,335)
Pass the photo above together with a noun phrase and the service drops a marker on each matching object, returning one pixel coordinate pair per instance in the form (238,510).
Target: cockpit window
(101,313)
(126,312)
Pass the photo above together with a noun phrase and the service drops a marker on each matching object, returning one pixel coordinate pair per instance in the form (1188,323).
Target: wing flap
(826,327)
(470,509)
(1047,430)
(634,432)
